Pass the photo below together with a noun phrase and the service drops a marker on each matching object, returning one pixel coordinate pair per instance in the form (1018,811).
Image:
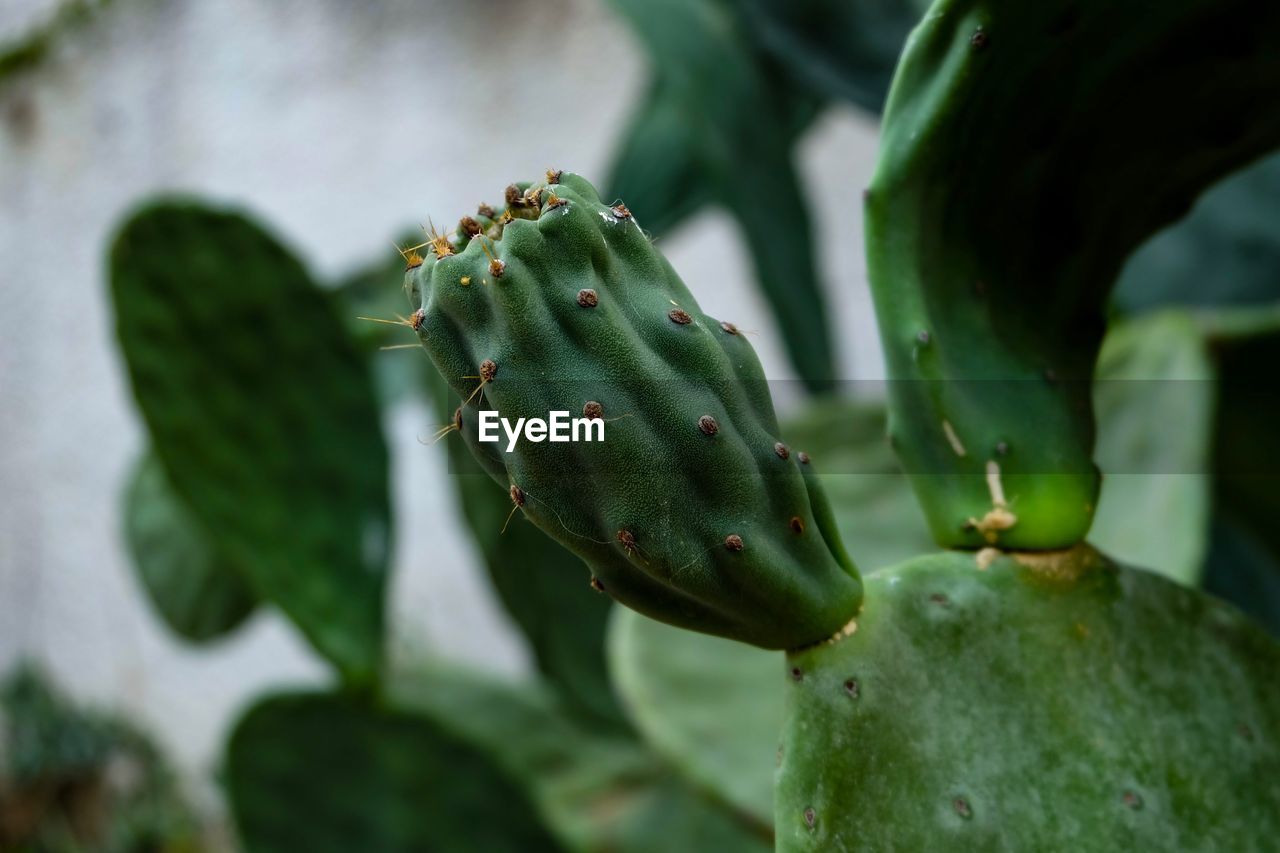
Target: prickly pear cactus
(725,132)
(1027,149)
(262,415)
(1045,702)
(691,509)
(194,587)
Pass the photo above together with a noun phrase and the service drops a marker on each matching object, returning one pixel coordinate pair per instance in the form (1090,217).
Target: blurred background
(339,129)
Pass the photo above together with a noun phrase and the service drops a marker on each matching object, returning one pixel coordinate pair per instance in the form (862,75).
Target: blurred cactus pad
(263,418)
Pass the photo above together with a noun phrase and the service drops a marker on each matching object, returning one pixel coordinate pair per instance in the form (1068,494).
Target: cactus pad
(194,587)
(847,50)
(262,412)
(1064,703)
(691,510)
(724,131)
(1028,148)
(597,790)
(329,772)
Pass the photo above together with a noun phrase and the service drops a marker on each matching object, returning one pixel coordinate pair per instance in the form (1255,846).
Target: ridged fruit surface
(691,509)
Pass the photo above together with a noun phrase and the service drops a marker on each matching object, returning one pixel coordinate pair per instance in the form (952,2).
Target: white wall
(338,122)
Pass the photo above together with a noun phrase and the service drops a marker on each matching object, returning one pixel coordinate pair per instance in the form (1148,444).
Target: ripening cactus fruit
(691,510)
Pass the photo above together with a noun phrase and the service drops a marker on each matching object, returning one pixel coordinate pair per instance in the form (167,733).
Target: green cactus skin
(1058,703)
(1027,149)
(539,584)
(690,511)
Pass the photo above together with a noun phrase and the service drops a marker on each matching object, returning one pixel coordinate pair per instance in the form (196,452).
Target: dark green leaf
(1244,571)
(656,166)
(845,48)
(316,772)
(1247,471)
(725,119)
(708,705)
(193,587)
(261,410)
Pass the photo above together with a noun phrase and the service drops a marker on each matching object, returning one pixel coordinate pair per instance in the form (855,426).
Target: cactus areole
(687,511)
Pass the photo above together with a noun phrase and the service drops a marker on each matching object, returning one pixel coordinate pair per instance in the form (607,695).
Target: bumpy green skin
(651,508)
(1079,706)
(1027,149)
(539,583)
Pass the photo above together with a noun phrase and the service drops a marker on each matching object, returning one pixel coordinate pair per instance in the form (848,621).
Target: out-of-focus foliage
(1247,475)
(1223,262)
(598,790)
(1225,252)
(1154,400)
(723,117)
(322,772)
(708,705)
(31,48)
(735,84)
(846,49)
(263,415)
(192,585)
(74,779)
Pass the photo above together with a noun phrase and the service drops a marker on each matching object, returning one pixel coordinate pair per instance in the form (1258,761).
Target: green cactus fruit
(691,510)
(1042,701)
(538,582)
(1014,178)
